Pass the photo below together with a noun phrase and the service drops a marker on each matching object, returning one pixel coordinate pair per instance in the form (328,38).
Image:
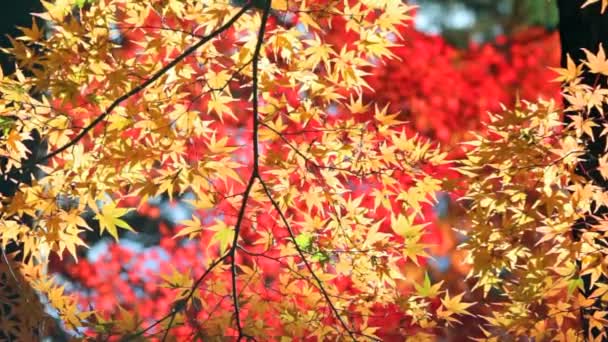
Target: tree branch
(255,171)
(145,84)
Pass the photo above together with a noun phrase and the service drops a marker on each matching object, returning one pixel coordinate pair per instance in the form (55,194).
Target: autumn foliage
(301,167)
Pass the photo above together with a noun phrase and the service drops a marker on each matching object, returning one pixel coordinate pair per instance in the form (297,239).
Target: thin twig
(306,262)
(174,312)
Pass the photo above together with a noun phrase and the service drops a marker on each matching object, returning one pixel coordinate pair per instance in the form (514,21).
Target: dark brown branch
(255,172)
(255,90)
(232,254)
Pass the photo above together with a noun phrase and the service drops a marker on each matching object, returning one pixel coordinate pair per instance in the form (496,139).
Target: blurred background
(461,22)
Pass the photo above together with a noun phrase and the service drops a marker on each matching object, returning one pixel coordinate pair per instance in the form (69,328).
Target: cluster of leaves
(307,200)
(521,214)
(538,224)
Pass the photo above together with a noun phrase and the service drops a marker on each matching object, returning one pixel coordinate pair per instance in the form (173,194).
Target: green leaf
(304,241)
(320,256)
(427,289)
(6,123)
(223,234)
(82,3)
(574,284)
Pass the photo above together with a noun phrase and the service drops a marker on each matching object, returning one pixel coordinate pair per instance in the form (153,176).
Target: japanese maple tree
(310,195)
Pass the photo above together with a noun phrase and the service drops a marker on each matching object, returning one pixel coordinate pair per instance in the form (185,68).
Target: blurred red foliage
(445,91)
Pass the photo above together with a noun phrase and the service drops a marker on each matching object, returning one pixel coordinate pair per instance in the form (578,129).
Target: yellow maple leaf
(15,149)
(570,73)
(110,219)
(427,289)
(191,228)
(356,106)
(582,125)
(405,227)
(177,280)
(597,63)
(219,104)
(451,306)
(384,119)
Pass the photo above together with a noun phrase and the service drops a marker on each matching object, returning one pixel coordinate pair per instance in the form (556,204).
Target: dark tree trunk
(586,29)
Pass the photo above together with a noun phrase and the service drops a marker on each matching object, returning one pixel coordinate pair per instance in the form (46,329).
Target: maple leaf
(597,63)
(570,73)
(451,306)
(385,120)
(224,234)
(318,52)
(15,148)
(357,106)
(377,46)
(32,34)
(110,219)
(582,125)
(191,228)
(56,10)
(304,241)
(219,104)
(403,225)
(69,238)
(426,289)
(177,280)
(129,321)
